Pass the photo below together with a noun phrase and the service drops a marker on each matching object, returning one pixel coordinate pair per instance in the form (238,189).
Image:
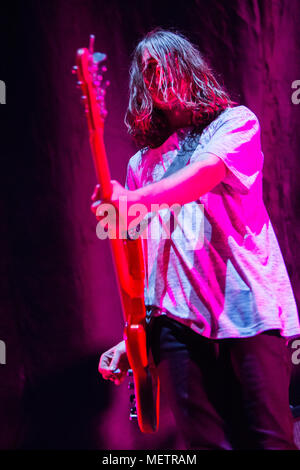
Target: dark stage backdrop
(59,302)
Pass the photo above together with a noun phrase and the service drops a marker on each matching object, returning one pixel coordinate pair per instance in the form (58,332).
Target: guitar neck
(127,253)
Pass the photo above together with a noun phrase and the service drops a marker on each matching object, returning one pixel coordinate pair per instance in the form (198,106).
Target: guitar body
(146,382)
(127,253)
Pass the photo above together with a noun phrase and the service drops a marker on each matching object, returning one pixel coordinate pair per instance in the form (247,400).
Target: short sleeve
(131,175)
(236,141)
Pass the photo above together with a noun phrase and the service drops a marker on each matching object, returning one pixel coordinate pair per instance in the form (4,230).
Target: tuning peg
(97,81)
(74,69)
(133,414)
(83,98)
(91,44)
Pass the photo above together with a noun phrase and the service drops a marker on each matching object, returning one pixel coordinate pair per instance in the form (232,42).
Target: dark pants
(225,394)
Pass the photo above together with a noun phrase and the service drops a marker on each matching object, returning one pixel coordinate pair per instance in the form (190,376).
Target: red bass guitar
(127,253)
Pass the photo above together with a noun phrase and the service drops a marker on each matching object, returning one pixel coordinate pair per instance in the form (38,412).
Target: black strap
(180,161)
(182,157)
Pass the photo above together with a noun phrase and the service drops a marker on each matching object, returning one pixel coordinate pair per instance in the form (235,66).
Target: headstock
(89,69)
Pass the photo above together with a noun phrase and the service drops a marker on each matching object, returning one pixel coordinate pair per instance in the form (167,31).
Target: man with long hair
(219,301)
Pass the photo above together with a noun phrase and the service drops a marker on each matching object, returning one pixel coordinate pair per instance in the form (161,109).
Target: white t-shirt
(221,272)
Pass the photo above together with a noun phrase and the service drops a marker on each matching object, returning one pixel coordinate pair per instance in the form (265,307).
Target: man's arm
(186,185)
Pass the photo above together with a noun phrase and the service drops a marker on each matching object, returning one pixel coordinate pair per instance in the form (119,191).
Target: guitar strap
(182,157)
(179,162)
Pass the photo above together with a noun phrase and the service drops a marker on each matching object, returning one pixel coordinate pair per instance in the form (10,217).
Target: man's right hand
(113,364)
